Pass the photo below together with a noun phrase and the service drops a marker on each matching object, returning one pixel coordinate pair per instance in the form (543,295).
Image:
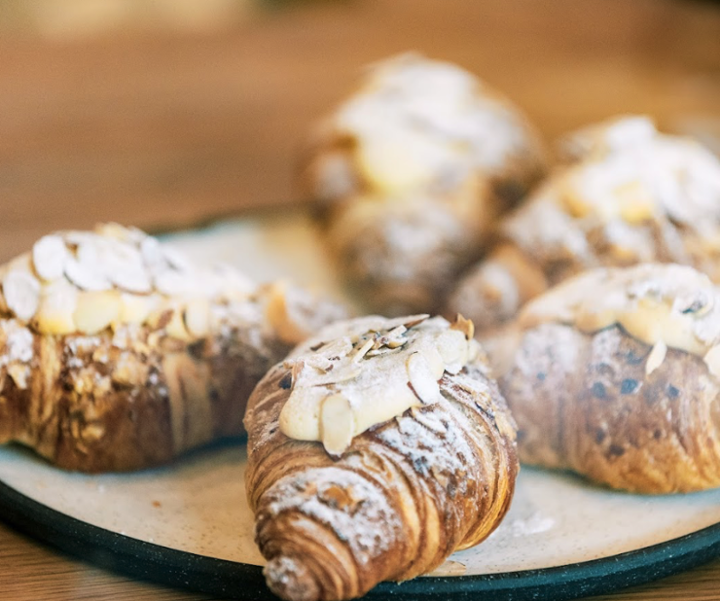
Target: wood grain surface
(165,130)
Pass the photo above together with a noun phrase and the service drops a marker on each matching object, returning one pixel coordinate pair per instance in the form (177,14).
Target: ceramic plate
(188,524)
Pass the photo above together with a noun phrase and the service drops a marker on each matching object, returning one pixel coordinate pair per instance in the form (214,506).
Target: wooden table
(163,130)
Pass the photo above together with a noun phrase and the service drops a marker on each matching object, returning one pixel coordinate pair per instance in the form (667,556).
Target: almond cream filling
(664,306)
(360,373)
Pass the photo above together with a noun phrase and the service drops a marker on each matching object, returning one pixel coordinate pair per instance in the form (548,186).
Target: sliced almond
(434,360)
(420,375)
(656,357)
(394,338)
(22,293)
(176,259)
(135,308)
(119,232)
(336,424)
(175,328)
(712,360)
(49,255)
(96,310)
(56,313)
(414,320)
(453,346)
(197,317)
(125,268)
(19,374)
(363,350)
(466,326)
(174,283)
(151,251)
(86,275)
(233,282)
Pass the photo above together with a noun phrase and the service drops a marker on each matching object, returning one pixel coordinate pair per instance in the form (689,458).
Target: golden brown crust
(406,494)
(495,289)
(584,402)
(132,399)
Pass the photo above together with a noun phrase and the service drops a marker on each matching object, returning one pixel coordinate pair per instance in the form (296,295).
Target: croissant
(409,175)
(375,450)
(615,374)
(118,354)
(626,194)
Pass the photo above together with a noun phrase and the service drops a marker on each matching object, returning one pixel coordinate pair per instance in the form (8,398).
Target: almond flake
(22,293)
(136,309)
(176,259)
(454,349)
(86,275)
(172,283)
(151,251)
(56,314)
(19,374)
(124,267)
(712,360)
(197,317)
(466,326)
(96,310)
(420,375)
(120,232)
(336,424)
(175,328)
(414,320)
(49,255)
(394,338)
(362,351)
(656,357)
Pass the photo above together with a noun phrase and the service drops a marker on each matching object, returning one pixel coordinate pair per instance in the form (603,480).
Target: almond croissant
(627,195)
(117,354)
(615,374)
(375,450)
(410,173)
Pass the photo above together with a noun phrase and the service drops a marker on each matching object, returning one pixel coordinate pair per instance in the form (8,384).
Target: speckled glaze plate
(187,524)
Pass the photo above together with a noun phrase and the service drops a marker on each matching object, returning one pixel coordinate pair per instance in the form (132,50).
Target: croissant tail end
(291,580)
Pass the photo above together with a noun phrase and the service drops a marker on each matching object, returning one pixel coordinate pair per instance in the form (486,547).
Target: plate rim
(182,569)
(156,563)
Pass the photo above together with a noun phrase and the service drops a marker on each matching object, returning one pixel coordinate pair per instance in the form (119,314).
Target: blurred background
(165,113)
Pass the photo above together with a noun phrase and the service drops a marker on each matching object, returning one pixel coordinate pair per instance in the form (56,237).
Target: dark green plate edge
(224,578)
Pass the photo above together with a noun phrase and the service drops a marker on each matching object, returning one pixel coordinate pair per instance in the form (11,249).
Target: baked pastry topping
(632,195)
(408,490)
(84,282)
(636,176)
(409,175)
(428,125)
(608,136)
(117,353)
(629,181)
(373,370)
(672,305)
